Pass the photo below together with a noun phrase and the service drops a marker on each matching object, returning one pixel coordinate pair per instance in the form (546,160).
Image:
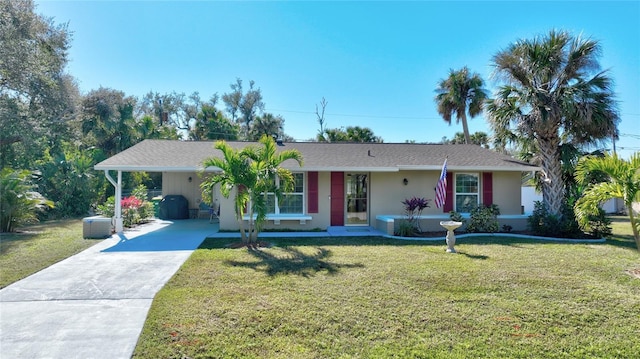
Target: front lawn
(364,298)
(39,246)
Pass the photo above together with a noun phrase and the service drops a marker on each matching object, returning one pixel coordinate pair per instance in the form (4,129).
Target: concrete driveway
(94,304)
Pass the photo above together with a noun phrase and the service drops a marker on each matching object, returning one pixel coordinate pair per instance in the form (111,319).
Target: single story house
(345,184)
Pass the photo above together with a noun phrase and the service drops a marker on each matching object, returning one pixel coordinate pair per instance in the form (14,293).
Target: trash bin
(156,206)
(174,207)
(96,227)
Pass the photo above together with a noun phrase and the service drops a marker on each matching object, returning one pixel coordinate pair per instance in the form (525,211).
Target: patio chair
(212,211)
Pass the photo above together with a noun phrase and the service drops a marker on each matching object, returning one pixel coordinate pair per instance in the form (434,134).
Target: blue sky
(376,63)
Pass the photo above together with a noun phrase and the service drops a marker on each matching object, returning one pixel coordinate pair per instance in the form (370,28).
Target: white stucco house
(344,184)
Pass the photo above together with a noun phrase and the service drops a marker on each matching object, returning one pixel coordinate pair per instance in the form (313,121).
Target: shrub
(543,223)
(107,209)
(19,202)
(484,219)
(457,217)
(599,225)
(405,229)
(413,208)
(145,209)
(134,209)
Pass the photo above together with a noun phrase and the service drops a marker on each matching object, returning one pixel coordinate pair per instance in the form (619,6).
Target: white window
(290,203)
(467,195)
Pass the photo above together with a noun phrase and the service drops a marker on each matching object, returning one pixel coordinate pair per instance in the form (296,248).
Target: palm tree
(265,163)
(19,200)
(623,182)
(251,173)
(234,177)
(458,94)
(267,124)
(551,97)
(107,115)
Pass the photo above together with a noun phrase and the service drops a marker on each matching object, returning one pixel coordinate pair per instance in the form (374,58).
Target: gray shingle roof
(183,156)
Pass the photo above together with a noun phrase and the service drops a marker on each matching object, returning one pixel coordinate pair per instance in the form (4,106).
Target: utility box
(174,207)
(96,227)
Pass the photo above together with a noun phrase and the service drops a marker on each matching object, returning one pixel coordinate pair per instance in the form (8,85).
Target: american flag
(441,187)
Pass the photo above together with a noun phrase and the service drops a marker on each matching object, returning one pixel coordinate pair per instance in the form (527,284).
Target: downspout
(118,200)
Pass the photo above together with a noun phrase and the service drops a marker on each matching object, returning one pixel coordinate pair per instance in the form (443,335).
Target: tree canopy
(552,94)
(37,98)
(458,94)
(350,134)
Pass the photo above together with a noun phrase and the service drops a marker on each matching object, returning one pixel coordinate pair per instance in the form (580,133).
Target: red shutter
(487,188)
(448,202)
(337,198)
(312,192)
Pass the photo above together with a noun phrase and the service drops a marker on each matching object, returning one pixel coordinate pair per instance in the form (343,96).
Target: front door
(337,198)
(357,186)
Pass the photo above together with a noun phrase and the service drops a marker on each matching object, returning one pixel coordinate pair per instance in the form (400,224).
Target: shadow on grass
(516,242)
(292,261)
(622,241)
(473,256)
(10,240)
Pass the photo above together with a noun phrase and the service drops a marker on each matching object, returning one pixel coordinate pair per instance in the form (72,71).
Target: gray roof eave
(153,168)
(323,169)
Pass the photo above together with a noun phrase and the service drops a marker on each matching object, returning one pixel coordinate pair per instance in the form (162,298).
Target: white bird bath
(450,226)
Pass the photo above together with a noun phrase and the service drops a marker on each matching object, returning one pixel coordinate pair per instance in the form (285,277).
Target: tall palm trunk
(239,217)
(553,186)
(465,128)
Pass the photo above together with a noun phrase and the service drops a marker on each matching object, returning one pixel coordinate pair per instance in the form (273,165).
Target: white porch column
(118,224)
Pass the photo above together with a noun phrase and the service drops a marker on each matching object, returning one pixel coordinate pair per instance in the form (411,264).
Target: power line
(362,116)
(379,116)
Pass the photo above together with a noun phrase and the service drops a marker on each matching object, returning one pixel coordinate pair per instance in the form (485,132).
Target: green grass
(380,298)
(39,246)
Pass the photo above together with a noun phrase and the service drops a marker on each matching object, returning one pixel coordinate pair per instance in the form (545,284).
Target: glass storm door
(357,186)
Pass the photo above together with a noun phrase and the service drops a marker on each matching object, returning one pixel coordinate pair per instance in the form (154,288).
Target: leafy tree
(37,98)
(251,173)
(478,138)
(211,124)
(243,107)
(107,117)
(69,181)
(178,109)
(623,181)
(552,96)
(19,202)
(148,128)
(458,94)
(333,135)
(350,134)
(268,125)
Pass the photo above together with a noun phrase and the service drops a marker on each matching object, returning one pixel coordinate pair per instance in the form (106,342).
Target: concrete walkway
(94,304)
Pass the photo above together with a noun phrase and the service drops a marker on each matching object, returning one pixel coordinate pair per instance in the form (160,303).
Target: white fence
(529,196)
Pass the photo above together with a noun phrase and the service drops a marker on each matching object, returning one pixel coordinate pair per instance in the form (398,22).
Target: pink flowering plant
(135,209)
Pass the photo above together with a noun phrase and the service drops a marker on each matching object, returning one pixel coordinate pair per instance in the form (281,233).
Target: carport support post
(119,227)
